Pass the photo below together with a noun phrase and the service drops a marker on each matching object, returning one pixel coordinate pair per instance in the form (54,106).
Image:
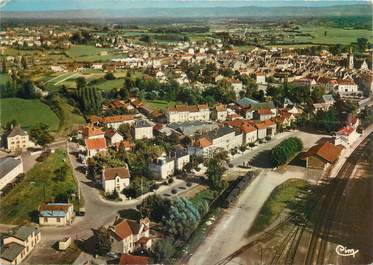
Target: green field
(158,104)
(20,204)
(27,112)
(276,203)
(89,53)
(4,78)
(334,35)
(109,84)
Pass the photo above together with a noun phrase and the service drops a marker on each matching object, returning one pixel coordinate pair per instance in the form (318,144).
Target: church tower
(350,59)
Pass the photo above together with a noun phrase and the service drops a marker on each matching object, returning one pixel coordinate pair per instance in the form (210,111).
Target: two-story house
(16,246)
(116,178)
(18,139)
(126,236)
(142,129)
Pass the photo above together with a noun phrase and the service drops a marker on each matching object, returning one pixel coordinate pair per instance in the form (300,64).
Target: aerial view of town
(199,132)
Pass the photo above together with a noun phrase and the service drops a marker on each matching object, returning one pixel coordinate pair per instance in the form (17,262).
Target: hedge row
(286,150)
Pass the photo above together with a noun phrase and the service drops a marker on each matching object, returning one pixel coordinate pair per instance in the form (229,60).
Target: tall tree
(39,133)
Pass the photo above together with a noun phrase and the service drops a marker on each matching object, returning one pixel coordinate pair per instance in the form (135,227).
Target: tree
(80,82)
(286,150)
(24,62)
(155,207)
(39,133)
(163,251)
(61,173)
(182,219)
(362,44)
(125,131)
(3,68)
(215,171)
(103,244)
(109,76)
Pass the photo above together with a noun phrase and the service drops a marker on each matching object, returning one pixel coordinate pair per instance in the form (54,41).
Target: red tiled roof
(346,131)
(202,142)
(127,145)
(90,131)
(126,259)
(112,173)
(123,228)
(95,144)
(116,118)
(327,151)
(264,112)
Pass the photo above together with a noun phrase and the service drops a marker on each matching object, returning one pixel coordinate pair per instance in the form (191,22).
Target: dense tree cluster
(40,135)
(89,99)
(286,150)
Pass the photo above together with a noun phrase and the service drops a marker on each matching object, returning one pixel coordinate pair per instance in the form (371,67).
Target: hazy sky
(44,5)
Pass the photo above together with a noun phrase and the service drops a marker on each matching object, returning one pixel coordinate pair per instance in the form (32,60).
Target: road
(229,234)
(98,211)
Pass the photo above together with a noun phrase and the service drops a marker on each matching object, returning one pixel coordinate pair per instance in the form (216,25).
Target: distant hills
(361,9)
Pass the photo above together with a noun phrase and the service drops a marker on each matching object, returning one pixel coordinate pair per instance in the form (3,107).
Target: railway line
(323,213)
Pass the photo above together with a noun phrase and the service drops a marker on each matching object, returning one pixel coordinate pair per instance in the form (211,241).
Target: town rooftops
(123,228)
(220,107)
(54,209)
(188,108)
(117,118)
(25,231)
(142,124)
(264,124)
(346,131)
(126,259)
(326,151)
(263,111)
(95,144)
(244,125)
(202,142)
(7,164)
(219,132)
(17,131)
(90,131)
(112,173)
(11,251)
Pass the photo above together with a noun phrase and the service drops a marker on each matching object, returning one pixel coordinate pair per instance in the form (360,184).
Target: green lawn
(27,112)
(19,205)
(276,203)
(206,195)
(335,35)
(157,104)
(69,116)
(109,84)
(89,53)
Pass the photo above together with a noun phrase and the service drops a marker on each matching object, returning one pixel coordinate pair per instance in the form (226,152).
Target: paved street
(98,211)
(229,233)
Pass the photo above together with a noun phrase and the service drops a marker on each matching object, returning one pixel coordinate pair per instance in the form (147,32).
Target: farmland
(39,185)
(89,53)
(27,112)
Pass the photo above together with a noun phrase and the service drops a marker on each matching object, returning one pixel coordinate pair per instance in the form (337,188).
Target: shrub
(173,191)
(189,184)
(170,180)
(286,150)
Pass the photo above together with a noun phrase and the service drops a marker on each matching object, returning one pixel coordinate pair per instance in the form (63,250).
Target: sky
(49,5)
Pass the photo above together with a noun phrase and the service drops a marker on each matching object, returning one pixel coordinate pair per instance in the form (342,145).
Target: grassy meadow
(27,112)
(20,204)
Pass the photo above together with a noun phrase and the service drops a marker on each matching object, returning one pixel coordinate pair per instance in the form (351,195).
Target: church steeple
(350,59)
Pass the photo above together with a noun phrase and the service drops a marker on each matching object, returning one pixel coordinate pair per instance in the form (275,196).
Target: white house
(126,236)
(94,146)
(162,167)
(184,113)
(346,136)
(219,112)
(346,87)
(113,137)
(115,179)
(10,168)
(143,130)
(18,245)
(18,139)
(57,214)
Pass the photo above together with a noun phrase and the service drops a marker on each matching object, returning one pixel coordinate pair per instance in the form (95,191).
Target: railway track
(323,210)
(329,206)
